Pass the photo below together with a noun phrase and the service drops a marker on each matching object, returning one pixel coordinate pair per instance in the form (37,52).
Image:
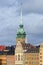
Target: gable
(18,48)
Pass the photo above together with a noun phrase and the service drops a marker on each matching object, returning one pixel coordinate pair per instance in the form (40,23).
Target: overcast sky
(10,20)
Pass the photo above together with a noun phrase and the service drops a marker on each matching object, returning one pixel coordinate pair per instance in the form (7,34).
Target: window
(37,57)
(40,56)
(40,53)
(18,57)
(21,57)
(32,58)
(40,64)
(40,60)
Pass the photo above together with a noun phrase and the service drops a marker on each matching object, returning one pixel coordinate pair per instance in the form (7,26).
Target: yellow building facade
(3,60)
(32,59)
(7,60)
(41,55)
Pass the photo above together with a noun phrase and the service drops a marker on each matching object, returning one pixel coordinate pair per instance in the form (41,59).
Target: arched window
(18,57)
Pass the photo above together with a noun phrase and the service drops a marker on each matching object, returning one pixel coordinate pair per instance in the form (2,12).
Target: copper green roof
(21,33)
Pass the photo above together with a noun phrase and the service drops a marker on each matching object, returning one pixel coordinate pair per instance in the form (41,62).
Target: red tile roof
(2,48)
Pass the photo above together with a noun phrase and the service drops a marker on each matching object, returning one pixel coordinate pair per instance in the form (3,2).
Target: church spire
(21,16)
(21,33)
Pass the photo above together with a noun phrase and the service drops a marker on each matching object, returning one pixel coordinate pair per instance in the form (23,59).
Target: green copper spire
(21,17)
(21,33)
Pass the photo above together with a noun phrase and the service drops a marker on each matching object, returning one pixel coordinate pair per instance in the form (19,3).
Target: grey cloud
(33,23)
(35,39)
(9,20)
(7,3)
(39,26)
(29,6)
(32,6)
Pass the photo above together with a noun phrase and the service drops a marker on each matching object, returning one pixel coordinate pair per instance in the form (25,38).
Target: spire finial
(21,14)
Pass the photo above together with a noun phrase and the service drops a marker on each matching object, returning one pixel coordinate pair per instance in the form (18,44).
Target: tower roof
(21,33)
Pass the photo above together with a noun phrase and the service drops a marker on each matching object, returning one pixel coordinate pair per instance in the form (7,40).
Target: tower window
(18,57)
